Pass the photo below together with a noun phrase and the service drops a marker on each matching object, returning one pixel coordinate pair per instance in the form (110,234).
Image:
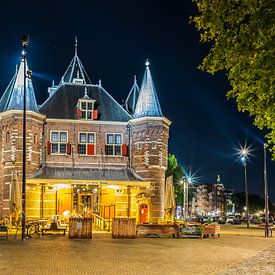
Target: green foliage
(174,169)
(241,34)
(256,203)
(177,171)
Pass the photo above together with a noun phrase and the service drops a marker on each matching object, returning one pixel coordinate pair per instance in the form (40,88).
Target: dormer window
(78,81)
(85,109)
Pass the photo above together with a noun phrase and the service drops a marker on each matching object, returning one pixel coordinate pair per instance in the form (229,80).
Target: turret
(11,114)
(149,144)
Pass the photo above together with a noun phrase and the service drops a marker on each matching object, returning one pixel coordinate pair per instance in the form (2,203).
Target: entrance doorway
(85,203)
(143,213)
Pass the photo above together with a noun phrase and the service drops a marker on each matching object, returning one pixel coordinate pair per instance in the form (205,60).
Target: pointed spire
(86,94)
(75,46)
(12,98)
(147,103)
(75,72)
(131,100)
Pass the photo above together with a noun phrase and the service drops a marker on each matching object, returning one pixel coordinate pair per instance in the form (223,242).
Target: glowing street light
(244,152)
(184,182)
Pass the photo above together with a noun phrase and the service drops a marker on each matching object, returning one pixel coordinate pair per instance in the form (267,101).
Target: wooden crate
(157,230)
(211,230)
(124,228)
(80,228)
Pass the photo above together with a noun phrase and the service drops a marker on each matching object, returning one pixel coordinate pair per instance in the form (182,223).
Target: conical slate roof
(75,70)
(131,100)
(12,99)
(148,103)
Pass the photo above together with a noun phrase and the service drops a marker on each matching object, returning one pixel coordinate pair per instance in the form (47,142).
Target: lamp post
(188,182)
(182,182)
(267,231)
(25,42)
(244,154)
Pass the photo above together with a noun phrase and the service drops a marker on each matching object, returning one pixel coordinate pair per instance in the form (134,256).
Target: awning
(84,174)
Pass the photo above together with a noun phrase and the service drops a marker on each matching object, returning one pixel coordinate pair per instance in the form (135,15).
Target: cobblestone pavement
(104,255)
(262,263)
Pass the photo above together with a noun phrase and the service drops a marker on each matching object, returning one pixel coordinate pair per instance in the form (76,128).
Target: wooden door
(143,213)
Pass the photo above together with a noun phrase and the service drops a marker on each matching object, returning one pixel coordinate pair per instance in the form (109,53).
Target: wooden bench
(211,230)
(53,229)
(4,229)
(156,230)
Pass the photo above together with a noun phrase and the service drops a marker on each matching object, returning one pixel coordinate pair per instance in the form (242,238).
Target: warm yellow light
(66,213)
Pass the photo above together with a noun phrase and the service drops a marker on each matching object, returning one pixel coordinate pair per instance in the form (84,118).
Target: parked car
(261,219)
(233,219)
(271,220)
(230,219)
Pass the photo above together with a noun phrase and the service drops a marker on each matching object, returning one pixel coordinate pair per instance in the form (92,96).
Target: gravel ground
(262,263)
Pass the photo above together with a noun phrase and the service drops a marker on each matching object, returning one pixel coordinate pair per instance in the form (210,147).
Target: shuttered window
(86,143)
(114,145)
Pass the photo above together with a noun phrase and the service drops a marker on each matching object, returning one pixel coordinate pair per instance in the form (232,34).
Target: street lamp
(244,156)
(25,43)
(188,184)
(267,231)
(182,182)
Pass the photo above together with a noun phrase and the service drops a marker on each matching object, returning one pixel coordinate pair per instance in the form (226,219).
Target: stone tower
(11,125)
(149,132)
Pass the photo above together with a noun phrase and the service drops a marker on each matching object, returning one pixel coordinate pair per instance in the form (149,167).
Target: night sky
(114,39)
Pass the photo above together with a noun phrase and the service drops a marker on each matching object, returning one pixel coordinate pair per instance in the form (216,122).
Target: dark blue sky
(115,38)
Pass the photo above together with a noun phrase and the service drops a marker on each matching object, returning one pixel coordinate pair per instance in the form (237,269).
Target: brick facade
(100,130)
(11,151)
(149,153)
(149,160)
(74,106)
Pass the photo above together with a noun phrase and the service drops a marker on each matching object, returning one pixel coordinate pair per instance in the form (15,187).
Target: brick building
(86,153)
(212,198)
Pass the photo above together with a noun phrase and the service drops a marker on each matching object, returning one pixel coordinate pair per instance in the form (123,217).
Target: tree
(256,203)
(241,34)
(177,171)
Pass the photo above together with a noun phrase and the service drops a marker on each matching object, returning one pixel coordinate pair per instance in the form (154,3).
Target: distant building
(212,199)
(85,152)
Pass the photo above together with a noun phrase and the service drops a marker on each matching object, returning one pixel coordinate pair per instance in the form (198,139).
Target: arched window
(7,137)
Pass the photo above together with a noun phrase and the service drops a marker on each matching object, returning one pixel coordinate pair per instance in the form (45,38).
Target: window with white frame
(86,108)
(86,142)
(113,144)
(59,140)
